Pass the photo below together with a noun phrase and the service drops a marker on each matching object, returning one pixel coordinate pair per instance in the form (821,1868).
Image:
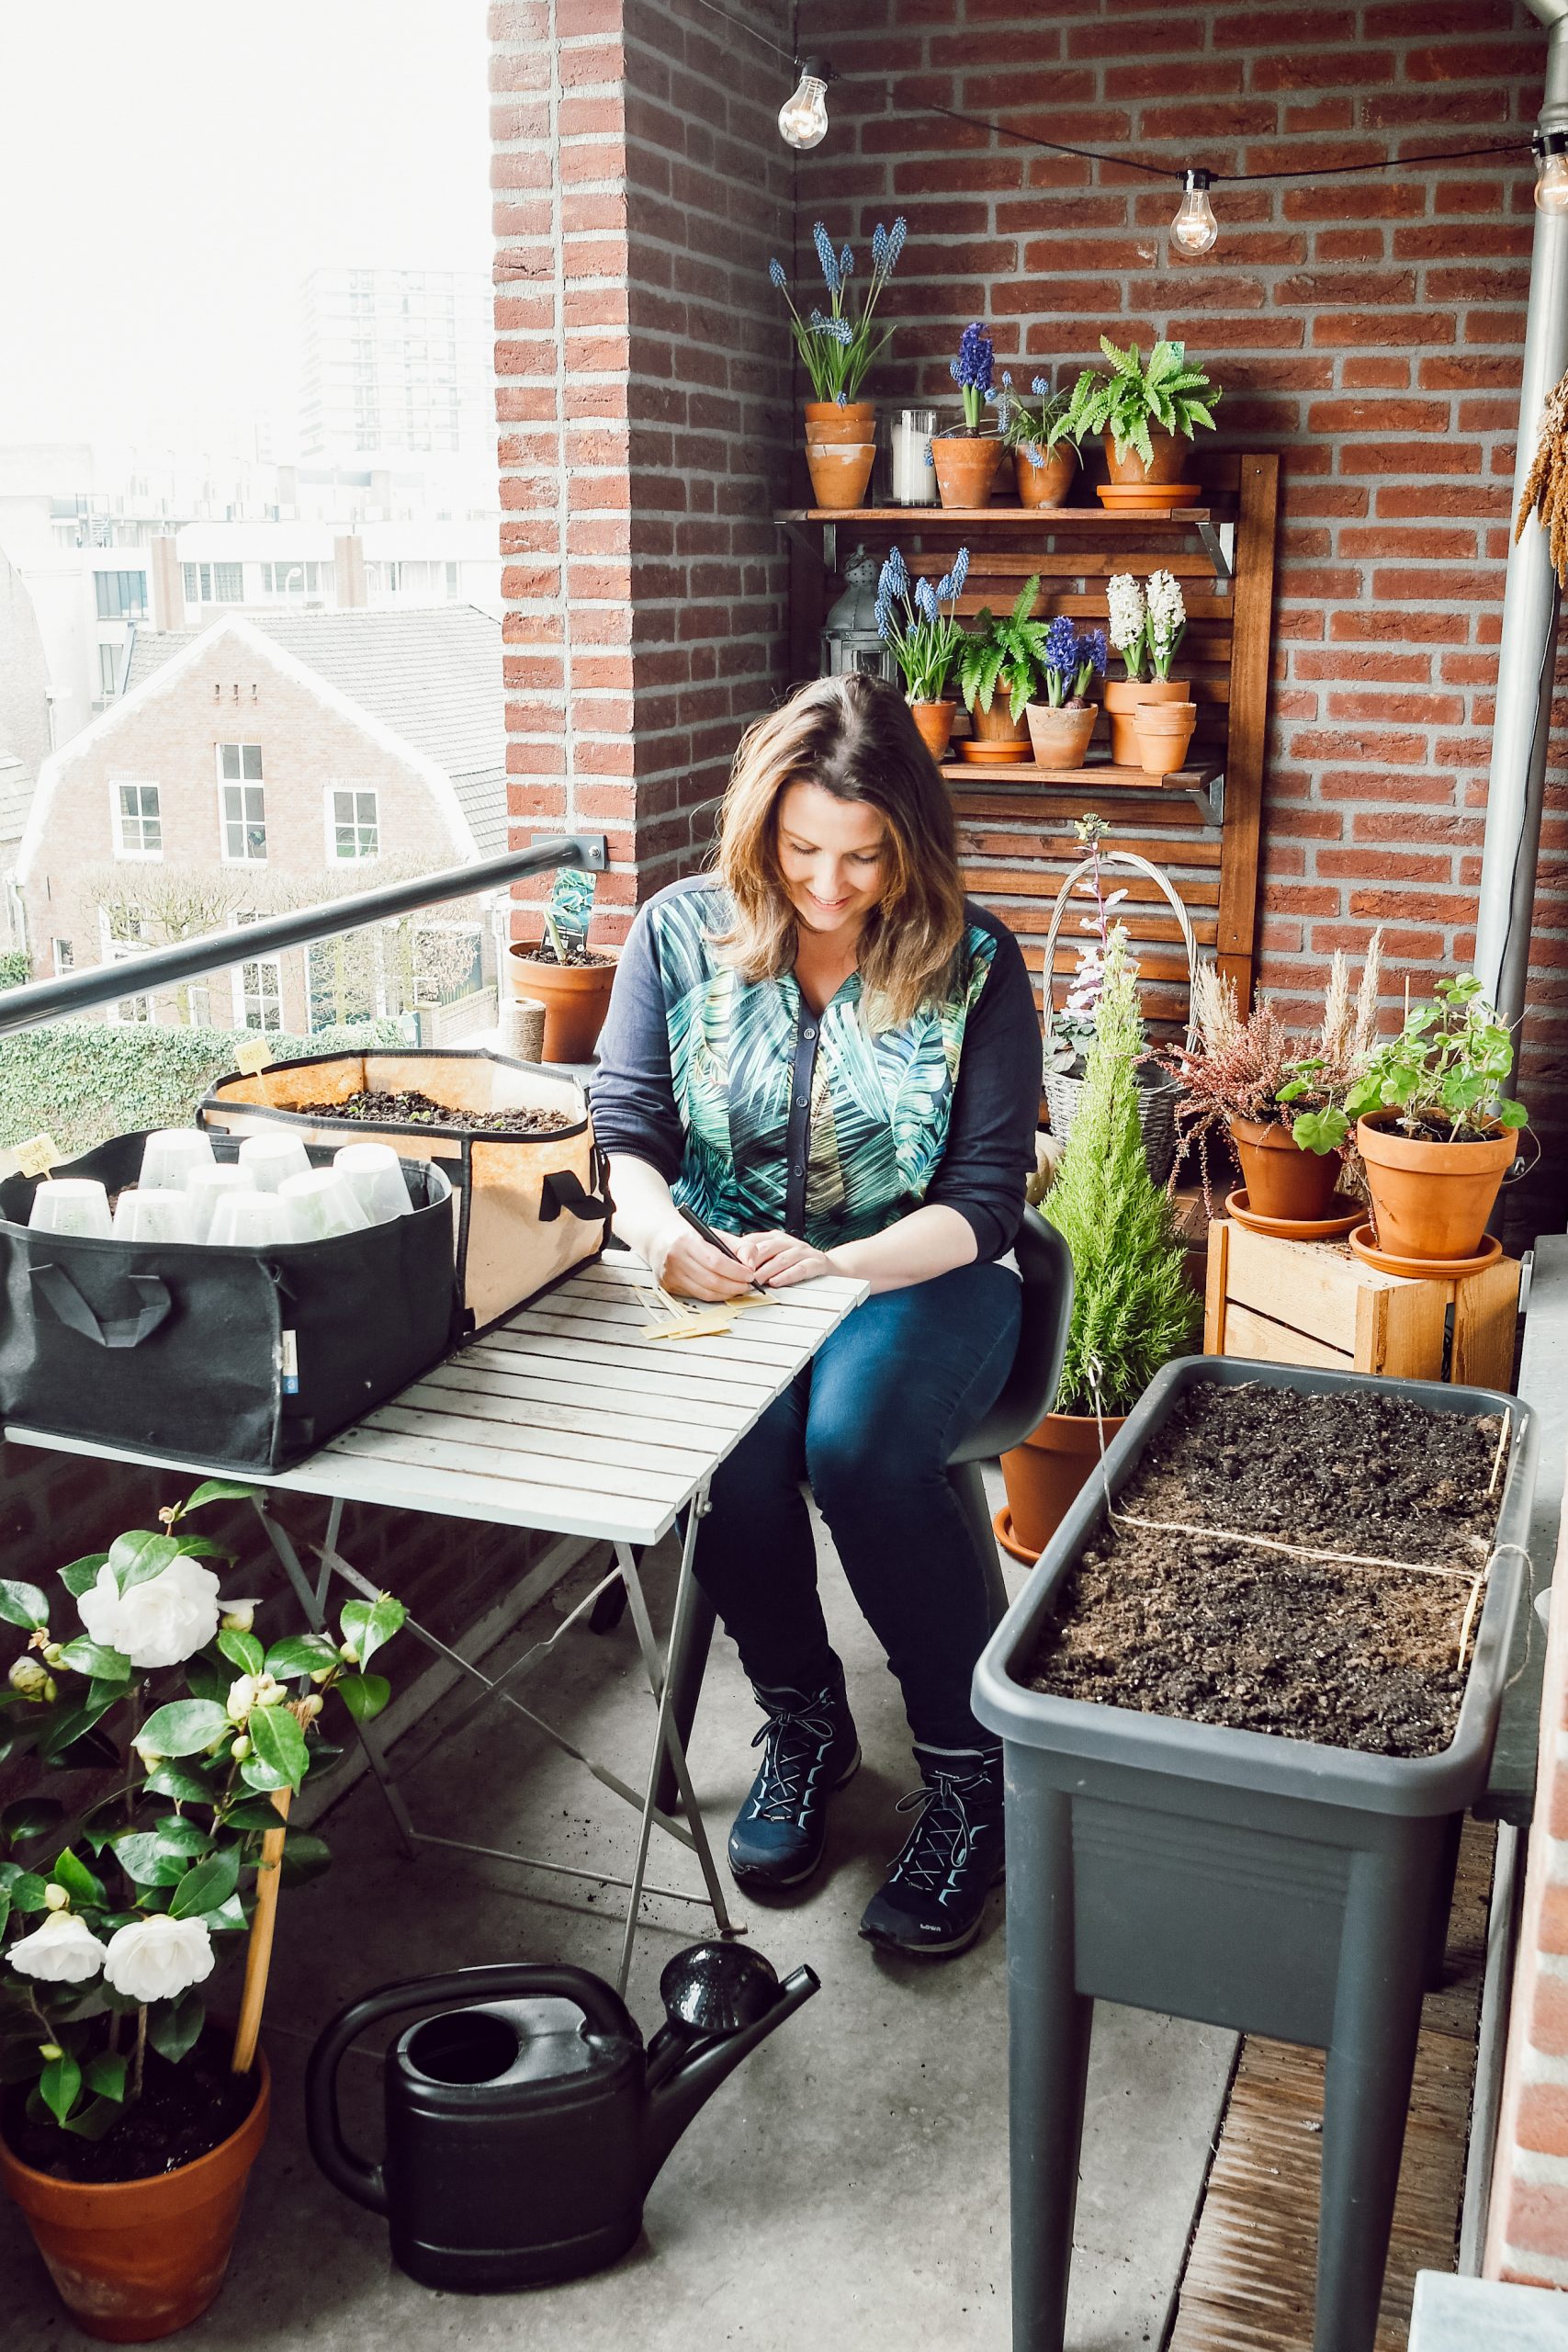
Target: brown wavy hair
(855,738)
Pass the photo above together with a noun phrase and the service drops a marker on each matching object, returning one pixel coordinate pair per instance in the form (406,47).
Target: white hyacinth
(1167,618)
(1125,598)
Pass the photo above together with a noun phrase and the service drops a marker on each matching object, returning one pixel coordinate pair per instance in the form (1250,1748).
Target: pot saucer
(992,755)
(1001,1528)
(1148,498)
(1437,1270)
(1285,1228)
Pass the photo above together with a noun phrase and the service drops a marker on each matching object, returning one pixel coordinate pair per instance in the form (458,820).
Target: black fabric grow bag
(244,1359)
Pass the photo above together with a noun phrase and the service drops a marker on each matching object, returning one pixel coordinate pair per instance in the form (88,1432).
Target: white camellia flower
(241,1698)
(161,1622)
(64,1951)
(158,1959)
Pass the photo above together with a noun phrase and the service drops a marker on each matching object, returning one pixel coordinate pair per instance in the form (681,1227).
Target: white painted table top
(568,1417)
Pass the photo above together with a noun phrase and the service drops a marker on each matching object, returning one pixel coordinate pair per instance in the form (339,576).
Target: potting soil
(415,1110)
(1223,1633)
(184,2111)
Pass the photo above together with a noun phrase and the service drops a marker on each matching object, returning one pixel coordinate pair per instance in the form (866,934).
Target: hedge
(81,1082)
(15,967)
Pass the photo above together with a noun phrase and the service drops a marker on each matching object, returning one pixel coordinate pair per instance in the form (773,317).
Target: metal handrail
(162,967)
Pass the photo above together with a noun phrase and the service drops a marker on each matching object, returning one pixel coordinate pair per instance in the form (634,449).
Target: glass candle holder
(913,473)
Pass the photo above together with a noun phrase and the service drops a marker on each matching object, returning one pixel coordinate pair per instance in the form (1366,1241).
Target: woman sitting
(833,1058)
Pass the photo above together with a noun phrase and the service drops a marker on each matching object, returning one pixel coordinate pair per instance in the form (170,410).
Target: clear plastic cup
(151,1213)
(168,1158)
(271,1158)
(242,1220)
(75,1204)
(325,1203)
(205,1189)
(372,1168)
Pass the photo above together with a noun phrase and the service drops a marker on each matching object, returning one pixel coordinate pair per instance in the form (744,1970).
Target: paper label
(37,1155)
(254,1056)
(290,1364)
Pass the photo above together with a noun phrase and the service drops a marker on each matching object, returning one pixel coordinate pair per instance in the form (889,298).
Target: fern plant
(1131,1309)
(1168,393)
(1014,643)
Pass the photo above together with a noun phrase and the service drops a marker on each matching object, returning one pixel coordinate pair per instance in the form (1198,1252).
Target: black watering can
(524,2127)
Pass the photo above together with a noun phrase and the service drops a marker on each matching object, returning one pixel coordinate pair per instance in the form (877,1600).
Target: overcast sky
(168,171)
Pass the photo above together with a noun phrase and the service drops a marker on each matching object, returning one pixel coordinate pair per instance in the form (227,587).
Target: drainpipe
(1527,653)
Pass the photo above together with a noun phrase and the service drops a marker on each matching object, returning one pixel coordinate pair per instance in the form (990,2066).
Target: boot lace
(939,1843)
(793,1740)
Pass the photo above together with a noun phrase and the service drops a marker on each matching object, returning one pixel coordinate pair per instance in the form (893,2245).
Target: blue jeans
(870,1421)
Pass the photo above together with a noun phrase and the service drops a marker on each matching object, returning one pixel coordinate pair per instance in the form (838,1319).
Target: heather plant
(837,346)
(1131,1309)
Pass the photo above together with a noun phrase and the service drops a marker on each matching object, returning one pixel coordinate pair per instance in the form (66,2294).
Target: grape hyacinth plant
(971,372)
(911,620)
(1147,625)
(1033,426)
(1071,662)
(838,345)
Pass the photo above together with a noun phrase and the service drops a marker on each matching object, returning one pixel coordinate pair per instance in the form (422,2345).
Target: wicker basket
(1157,1104)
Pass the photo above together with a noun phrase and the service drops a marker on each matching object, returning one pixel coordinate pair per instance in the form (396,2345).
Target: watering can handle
(605,2012)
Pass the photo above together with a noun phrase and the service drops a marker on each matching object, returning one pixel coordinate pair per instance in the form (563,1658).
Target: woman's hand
(689,1267)
(779,1259)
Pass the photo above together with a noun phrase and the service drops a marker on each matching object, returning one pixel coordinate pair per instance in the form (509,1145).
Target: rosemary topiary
(1131,1309)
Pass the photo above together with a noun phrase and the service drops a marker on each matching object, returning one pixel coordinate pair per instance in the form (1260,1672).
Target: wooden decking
(1248,2281)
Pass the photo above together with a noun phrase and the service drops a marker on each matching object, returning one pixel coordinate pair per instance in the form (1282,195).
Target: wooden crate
(1299,1302)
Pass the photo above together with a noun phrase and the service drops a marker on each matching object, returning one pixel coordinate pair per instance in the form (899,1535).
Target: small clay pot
(1283,1180)
(576,997)
(1045,1474)
(1122,697)
(1172,452)
(134,2260)
(966,467)
(1060,735)
(841,449)
(1163,731)
(1432,1200)
(1046,484)
(998,725)
(934,720)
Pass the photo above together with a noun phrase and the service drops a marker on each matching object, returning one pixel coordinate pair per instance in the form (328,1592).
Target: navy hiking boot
(933,1899)
(809,1748)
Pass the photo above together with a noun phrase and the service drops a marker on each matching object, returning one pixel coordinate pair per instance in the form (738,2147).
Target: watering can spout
(687,2062)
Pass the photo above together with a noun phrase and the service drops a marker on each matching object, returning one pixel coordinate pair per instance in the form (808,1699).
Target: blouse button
(808,1034)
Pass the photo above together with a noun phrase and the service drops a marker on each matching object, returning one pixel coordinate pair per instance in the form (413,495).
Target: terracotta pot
(998,725)
(1282,1181)
(1044,1473)
(576,998)
(841,449)
(1164,730)
(1060,737)
(134,2260)
(966,467)
(1048,483)
(1432,1200)
(1172,453)
(1122,697)
(934,720)
(827,420)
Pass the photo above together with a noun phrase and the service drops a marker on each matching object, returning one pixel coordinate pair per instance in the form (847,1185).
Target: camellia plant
(910,619)
(112,1911)
(838,345)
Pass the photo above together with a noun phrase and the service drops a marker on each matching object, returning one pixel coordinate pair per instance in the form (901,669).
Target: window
(258,994)
(138,826)
(121,938)
(296,579)
(214,583)
(122,595)
(353,825)
(242,803)
(62,956)
(108,672)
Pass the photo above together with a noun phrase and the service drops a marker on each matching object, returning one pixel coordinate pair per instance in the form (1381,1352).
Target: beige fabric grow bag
(529,1207)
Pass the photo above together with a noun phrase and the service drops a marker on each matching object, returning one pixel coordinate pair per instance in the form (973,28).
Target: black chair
(1027,1393)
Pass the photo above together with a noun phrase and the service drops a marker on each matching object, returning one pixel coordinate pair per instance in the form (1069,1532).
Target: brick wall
(643,396)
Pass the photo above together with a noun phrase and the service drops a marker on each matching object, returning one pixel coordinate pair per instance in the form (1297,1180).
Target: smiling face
(833,856)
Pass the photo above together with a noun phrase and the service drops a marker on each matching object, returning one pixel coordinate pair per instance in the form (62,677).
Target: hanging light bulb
(803,118)
(1195,228)
(1550,150)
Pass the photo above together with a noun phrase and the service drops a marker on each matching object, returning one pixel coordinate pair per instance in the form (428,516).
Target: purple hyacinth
(1062,648)
(971,372)
(1092,651)
(827,257)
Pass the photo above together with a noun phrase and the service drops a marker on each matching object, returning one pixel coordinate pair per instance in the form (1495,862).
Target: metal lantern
(850,641)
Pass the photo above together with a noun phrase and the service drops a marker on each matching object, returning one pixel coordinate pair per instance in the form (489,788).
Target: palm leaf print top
(763,1115)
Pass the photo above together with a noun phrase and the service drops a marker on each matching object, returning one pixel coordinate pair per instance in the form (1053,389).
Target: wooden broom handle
(258,1953)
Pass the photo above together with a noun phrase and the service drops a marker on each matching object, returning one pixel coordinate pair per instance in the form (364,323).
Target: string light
(1195,230)
(1550,149)
(803,118)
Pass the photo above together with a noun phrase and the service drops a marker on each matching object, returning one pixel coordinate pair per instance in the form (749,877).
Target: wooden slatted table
(571,1420)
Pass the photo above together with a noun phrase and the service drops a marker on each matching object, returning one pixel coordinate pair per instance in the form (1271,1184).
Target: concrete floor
(847,2187)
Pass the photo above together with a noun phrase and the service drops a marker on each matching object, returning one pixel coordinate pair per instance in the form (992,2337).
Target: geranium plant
(972,372)
(1033,426)
(1148,623)
(1168,393)
(1011,647)
(838,345)
(920,624)
(1444,1072)
(113,1908)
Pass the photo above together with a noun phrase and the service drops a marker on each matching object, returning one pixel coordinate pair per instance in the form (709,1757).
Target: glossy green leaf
(243,1650)
(138,1556)
(228,1918)
(205,1679)
(257,1774)
(304,1856)
(301,1654)
(26,1889)
(22,1604)
(30,1817)
(87,1657)
(106,2074)
(82,1575)
(184,1727)
(367,1624)
(169,1780)
(74,1875)
(208,1885)
(178,1836)
(279,1743)
(220,1490)
(141,1854)
(364,1695)
(60,2086)
(174,2027)
(252,1814)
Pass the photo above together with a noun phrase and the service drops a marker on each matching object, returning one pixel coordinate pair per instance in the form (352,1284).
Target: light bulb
(1195,230)
(1552,172)
(803,118)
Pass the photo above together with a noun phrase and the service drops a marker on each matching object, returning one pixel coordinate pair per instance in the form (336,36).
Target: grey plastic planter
(1273,1885)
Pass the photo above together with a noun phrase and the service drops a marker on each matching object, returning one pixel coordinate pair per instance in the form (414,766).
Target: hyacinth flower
(839,346)
(972,372)
(1070,661)
(1031,426)
(918,623)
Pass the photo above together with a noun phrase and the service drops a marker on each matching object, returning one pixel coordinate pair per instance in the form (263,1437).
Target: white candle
(914,475)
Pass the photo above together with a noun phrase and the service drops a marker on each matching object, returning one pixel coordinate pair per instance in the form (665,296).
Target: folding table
(571,1420)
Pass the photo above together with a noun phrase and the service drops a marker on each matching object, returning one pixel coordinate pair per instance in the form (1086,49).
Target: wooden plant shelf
(961,521)
(1202,786)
